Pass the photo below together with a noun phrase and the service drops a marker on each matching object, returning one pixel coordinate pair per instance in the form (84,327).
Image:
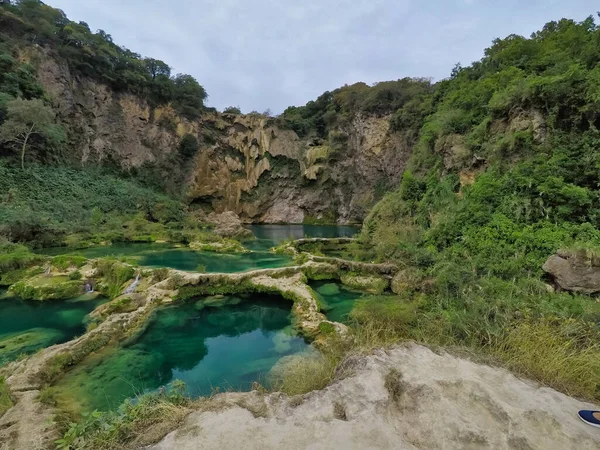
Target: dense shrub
(43,204)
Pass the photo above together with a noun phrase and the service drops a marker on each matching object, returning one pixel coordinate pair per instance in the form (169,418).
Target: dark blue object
(590,417)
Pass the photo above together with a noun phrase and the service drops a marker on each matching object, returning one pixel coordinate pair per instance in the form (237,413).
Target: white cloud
(274,53)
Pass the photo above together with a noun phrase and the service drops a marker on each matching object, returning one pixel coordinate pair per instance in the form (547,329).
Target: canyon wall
(249,164)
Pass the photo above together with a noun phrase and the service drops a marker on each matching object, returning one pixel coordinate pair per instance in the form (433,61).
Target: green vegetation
(188,146)
(46,288)
(332,110)
(89,54)
(27,120)
(302,374)
(64,262)
(51,204)
(56,365)
(232,110)
(5,400)
(371,283)
(15,257)
(114,274)
(121,305)
(503,175)
(45,205)
(159,412)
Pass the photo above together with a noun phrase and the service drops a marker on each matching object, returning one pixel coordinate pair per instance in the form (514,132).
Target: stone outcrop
(406,398)
(370,283)
(574,271)
(249,164)
(228,224)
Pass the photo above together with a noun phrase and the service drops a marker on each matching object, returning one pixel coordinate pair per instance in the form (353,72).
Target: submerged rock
(574,271)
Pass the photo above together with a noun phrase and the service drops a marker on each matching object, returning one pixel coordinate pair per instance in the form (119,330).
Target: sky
(270,54)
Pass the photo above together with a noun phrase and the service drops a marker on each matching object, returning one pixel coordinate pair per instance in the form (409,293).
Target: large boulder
(574,271)
(228,224)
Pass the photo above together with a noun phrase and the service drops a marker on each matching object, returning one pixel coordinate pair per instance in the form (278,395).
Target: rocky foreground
(405,398)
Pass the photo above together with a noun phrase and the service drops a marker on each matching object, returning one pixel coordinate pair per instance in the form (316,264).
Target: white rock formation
(405,398)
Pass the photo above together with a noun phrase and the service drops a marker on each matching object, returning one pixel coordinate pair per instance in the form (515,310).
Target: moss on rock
(46,288)
(222,246)
(64,262)
(406,280)
(369,283)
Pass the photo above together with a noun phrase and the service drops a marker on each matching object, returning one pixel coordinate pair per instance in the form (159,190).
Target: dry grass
(553,354)
(305,373)
(5,400)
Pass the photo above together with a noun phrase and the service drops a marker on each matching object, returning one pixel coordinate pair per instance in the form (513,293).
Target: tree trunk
(25,146)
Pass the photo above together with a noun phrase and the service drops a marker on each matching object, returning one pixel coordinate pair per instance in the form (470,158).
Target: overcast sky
(259,54)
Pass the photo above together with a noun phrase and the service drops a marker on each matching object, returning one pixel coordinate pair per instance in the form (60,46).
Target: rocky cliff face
(248,164)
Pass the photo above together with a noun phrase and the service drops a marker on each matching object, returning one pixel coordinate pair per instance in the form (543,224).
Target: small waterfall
(48,270)
(133,285)
(88,288)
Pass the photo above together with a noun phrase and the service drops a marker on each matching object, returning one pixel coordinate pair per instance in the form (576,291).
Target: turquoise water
(338,301)
(228,343)
(268,236)
(165,255)
(26,327)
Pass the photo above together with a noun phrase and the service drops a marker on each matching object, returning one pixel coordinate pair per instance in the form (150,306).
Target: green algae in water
(27,326)
(225,347)
(336,299)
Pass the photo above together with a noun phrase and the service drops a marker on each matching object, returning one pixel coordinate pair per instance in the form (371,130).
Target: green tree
(188,96)
(188,146)
(26,119)
(156,68)
(232,110)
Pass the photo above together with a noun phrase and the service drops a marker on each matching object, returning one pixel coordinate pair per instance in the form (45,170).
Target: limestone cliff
(249,164)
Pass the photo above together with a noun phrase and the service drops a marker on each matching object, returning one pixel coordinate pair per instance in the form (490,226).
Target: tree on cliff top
(25,120)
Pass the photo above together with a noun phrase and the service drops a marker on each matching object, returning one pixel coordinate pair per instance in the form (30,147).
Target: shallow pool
(166,255)
(336,299)
(211,343)
(26,327)
(268,236)
(183,258)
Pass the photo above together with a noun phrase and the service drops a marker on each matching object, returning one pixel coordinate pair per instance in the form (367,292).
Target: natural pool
(210,343)
(26,327)
(268,236)
(167,255)
(215,342)
(337,300)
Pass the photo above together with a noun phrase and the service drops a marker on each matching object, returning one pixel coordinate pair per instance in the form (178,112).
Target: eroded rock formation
(248,164)
(406,398)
